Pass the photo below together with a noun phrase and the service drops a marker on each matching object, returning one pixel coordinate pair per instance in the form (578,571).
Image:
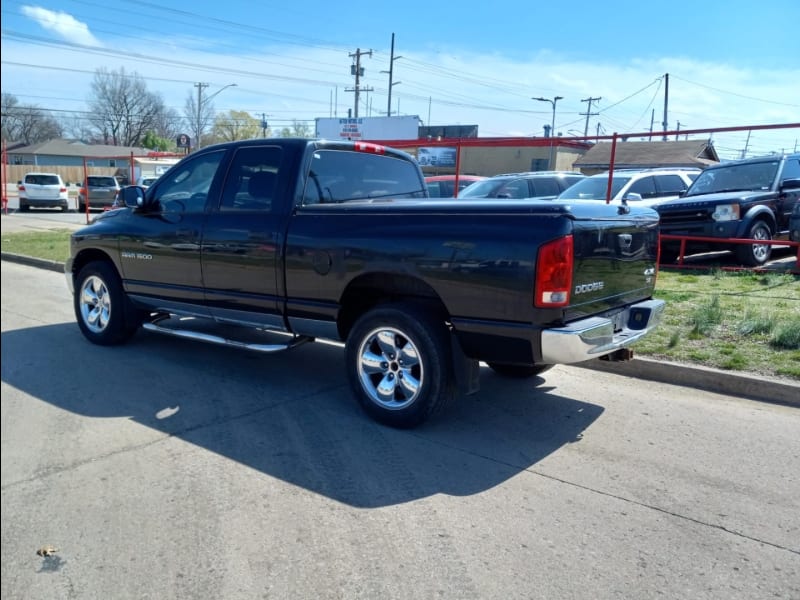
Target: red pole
(458,169)
(4,177)
(85,188)
(611,167)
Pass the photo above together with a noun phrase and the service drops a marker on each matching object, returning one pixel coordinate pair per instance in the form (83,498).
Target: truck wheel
(757,254)
(399,365)
(105,315)
(518,371)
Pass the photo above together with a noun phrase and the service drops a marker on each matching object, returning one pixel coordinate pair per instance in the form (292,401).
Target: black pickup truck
(745,199)
(266,244)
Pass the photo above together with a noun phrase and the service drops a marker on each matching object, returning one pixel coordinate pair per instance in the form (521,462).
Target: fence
(684,239)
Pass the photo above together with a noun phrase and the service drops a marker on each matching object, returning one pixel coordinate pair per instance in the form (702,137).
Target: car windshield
(753,176)
(481,189)
(101,181)
(594,188)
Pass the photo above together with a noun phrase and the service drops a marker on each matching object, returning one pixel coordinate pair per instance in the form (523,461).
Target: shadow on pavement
(292,415)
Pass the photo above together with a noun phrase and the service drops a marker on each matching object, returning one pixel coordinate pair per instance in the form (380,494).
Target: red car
(443,186)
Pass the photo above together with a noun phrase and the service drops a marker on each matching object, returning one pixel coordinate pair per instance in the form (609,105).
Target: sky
(713,64)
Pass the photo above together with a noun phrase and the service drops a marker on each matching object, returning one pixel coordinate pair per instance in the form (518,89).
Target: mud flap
(466,370)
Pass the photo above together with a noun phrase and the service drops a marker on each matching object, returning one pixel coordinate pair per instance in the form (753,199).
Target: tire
(24,208)
(519,371)
(668,255)
(757,254)
(399,364)
(105,314)
(81,207)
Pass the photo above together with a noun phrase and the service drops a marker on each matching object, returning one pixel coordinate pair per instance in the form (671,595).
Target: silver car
(101,191)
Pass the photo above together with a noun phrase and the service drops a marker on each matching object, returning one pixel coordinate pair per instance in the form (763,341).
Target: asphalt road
(173,469)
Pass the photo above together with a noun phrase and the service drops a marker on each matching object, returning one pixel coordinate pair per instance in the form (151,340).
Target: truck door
(241,240)
(162,257)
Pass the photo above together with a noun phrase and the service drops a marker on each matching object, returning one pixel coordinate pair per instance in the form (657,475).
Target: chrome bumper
(595,337)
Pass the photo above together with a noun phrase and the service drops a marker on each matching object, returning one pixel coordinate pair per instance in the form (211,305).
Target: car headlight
(726,212)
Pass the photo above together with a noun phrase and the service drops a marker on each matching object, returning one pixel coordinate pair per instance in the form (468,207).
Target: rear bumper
(595,337)
(44,202)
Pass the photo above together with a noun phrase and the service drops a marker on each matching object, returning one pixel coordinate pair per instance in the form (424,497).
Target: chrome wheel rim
(761,251)
(95,304)
(389,368)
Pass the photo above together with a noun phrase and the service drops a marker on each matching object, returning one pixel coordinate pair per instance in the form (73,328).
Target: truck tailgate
(615,262)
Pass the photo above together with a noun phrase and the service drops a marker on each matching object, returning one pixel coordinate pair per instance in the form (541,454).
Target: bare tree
(123,110)
(27,124)
(299,129)
(198,118)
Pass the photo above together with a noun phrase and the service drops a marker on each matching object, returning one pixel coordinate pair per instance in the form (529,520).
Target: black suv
(533,184)
(744,199)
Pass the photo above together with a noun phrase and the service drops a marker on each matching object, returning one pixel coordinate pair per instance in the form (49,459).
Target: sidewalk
(730,383)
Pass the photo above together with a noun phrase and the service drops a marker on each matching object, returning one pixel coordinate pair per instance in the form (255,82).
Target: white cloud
(63,24)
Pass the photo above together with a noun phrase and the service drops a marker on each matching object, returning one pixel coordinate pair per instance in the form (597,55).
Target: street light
(552,125)
(201,102)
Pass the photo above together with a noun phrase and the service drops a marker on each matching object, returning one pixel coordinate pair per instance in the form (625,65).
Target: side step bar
(215,339)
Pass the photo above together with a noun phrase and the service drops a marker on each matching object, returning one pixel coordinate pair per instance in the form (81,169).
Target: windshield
(593,188)
(736,177)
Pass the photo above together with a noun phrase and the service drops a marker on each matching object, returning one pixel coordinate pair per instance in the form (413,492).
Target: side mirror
(790,184)
(133,196)
(633,196)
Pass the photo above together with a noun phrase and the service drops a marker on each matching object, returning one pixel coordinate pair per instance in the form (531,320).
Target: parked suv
(744,199)
(640,187)
(101,190)
(42,190)
(534,184)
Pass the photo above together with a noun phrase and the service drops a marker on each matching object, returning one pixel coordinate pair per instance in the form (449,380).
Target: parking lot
(170,468)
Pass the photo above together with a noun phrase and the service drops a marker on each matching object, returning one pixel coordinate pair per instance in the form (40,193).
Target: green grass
(739,321)
(51,244)
(733,320)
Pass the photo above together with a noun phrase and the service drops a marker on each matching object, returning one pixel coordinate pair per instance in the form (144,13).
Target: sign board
(436,156)
(369,128)
(183,141)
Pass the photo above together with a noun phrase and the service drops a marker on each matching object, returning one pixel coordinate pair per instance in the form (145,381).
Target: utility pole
(392,58)
(198,130)
(357,70)
(677,130)
(588,113)
(666,99)
(747,143)
(264,125)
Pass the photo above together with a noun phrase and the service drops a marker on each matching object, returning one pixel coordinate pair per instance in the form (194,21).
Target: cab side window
(251,182)
(185,190)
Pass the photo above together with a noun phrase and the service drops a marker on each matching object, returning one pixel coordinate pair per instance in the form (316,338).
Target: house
(70,158)
(642,155)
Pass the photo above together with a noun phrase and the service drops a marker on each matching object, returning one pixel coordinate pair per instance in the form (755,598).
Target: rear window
(39,179)
(101,181)
(342,176)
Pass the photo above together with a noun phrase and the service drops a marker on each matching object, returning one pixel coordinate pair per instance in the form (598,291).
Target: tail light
(554,273)
(63,189)
(21,188)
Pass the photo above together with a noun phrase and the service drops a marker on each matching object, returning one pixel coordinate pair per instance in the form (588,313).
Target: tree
(154,142)
(298,129)
(235,125)
(27,123)
(123,111)
(198,115)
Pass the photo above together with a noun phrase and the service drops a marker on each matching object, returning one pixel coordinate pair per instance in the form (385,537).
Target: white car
(637,187)
(42,190)
(146,182)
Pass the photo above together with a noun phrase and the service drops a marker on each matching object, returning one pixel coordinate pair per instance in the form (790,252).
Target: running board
(215,339)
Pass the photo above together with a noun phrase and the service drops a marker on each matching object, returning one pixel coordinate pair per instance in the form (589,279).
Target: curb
(42,263)
(719,381)
(705,378)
